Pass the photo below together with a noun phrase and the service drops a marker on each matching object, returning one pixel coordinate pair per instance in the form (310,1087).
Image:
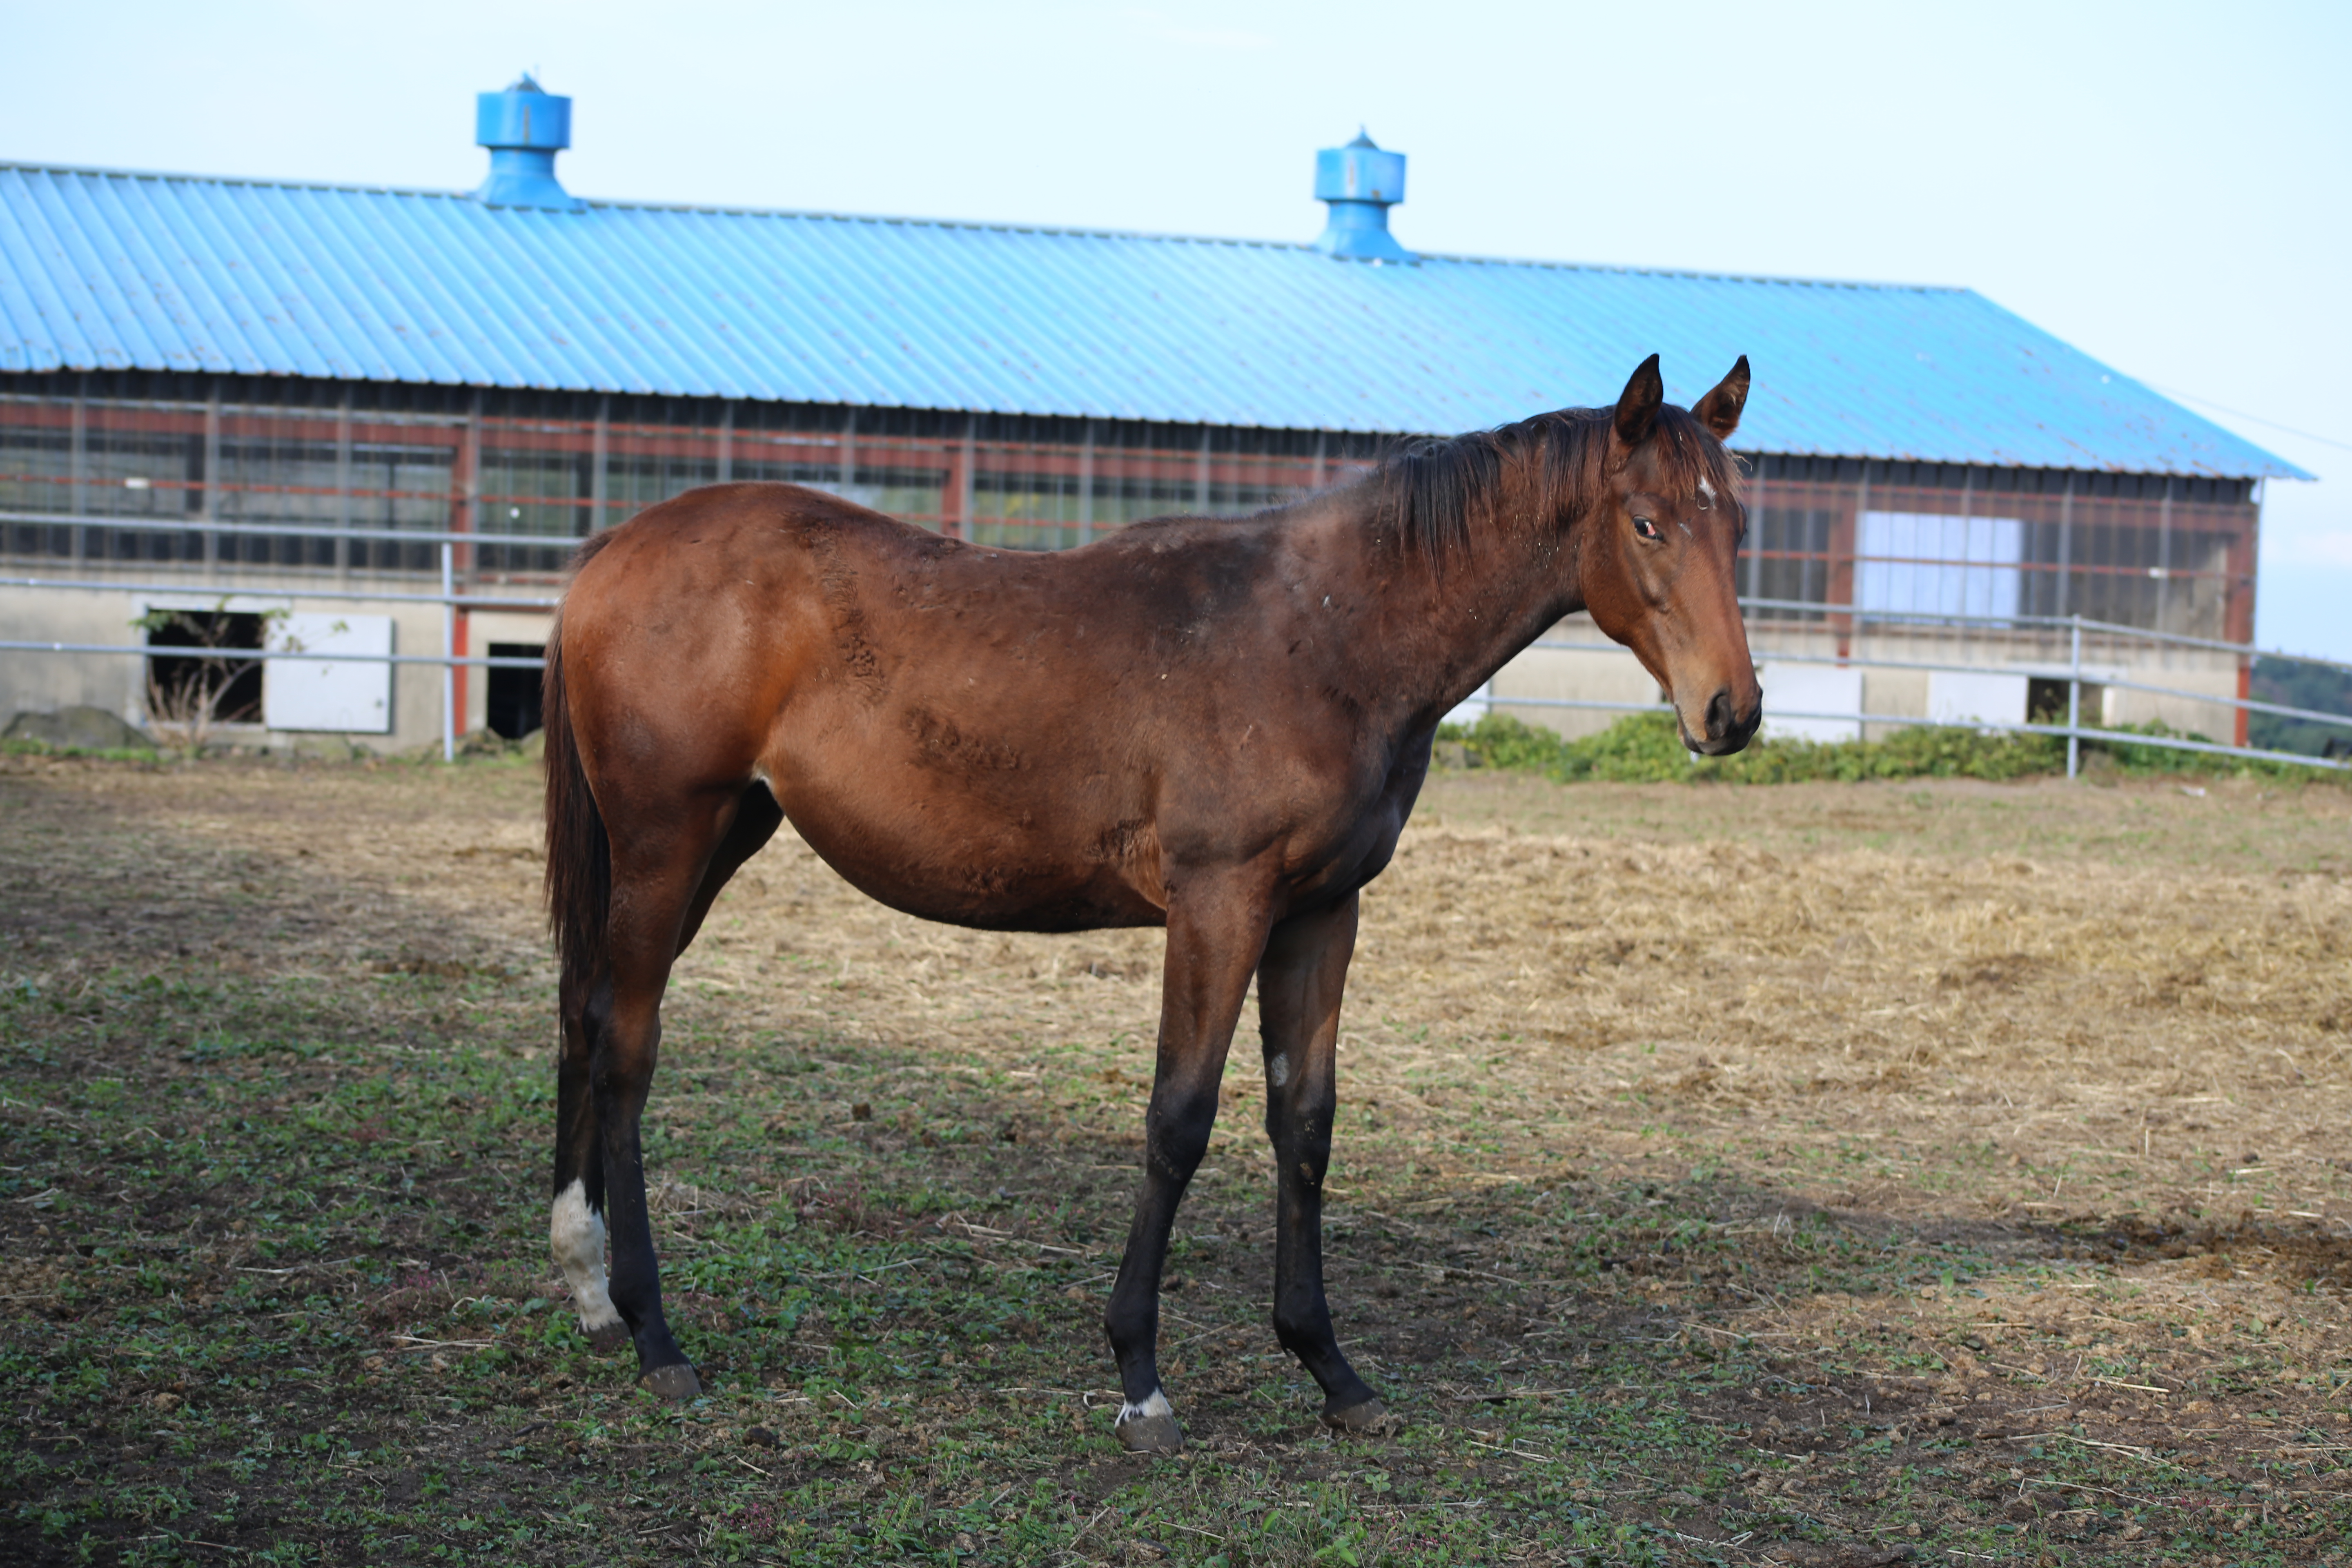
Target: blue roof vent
(524,128)
(1361,182)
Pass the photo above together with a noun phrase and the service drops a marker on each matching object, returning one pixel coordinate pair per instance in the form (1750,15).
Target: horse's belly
(961,866)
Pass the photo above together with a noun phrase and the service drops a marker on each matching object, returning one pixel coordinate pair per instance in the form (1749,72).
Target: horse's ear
(1719,410)
(1637,405)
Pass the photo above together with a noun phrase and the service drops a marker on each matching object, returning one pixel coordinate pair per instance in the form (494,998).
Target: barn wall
(42,683)
(106,475)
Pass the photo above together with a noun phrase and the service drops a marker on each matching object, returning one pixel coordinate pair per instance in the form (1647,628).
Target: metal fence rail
(1932,619)
(292,530)
(2040,672)
(448,598)
(2072,671)
(263,655)
(2074,733)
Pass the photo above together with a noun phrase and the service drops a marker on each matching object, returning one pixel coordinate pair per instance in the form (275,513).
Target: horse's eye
(1645,527)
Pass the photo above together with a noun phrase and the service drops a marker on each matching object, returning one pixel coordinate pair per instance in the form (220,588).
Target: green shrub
(1645,748)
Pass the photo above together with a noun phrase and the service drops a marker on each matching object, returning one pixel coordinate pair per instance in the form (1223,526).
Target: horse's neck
(1434,628)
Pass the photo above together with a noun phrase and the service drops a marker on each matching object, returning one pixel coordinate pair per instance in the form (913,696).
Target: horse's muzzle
(1729,728)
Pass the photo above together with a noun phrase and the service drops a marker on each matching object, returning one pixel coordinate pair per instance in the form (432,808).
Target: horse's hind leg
(664,877)
(1299,985)
(576,1225)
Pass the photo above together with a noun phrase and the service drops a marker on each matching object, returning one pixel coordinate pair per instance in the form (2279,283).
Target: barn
(370,423)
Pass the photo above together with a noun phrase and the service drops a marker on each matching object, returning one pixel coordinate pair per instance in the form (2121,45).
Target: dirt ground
(1825,1173)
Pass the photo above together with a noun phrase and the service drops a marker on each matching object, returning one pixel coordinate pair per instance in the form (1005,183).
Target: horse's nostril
(1718,714)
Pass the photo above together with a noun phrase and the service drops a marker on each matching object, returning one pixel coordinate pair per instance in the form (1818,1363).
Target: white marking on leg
(1156,1405)
(576,1233)
(1277,1070)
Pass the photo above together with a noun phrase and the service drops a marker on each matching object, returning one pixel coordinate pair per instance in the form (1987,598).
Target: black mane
(1438,493)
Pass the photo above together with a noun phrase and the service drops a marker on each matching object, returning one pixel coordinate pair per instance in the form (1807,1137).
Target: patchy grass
(1820,1174)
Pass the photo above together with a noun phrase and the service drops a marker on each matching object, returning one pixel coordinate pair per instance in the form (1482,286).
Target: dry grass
(2126,1039)
(2138,1003)
(2113,1025)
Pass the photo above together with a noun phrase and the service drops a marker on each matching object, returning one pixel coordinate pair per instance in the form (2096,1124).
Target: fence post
(448,655)
(1087,487)
(2074,703)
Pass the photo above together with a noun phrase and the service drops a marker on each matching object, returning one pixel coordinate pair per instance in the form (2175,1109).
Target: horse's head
(1658,559)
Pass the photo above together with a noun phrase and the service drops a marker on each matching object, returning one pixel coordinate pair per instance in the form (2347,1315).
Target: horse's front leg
(1216,930)
(1298,986)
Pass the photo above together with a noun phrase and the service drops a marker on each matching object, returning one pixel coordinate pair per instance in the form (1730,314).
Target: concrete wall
(41,682)
(44,682)
(1612,675)
(2214,721)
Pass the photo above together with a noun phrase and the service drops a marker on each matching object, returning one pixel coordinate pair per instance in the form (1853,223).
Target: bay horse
(1216,725)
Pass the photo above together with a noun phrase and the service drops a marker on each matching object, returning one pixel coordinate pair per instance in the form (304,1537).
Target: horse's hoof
(1369,1419)
(1152,1435)
(675,1382)
(606,1337)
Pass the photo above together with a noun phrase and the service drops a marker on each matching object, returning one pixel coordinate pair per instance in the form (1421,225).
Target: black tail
(579,856)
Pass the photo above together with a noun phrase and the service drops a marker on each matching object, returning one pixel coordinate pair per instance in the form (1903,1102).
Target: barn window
(214,691)
(1935,564)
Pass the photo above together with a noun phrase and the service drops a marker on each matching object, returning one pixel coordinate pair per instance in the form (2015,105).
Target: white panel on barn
(1975,697)
(1824,692)
(347,695)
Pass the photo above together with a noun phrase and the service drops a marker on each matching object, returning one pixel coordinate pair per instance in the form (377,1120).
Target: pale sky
(2164,185)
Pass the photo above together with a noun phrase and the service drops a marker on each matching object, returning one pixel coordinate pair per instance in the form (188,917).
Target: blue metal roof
(105,269)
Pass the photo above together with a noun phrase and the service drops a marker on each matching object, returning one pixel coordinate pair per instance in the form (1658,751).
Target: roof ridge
(28,167)
(984,226)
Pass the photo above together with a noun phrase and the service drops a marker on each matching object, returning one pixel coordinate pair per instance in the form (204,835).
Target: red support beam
(463,471)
